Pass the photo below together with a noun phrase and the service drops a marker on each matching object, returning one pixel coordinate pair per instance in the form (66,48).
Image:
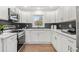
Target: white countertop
(37,29)
(5,35)
(56,30)
(68,35)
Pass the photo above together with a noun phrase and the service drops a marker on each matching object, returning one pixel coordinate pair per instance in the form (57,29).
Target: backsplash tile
(47,25)
(23,25)
(65,25)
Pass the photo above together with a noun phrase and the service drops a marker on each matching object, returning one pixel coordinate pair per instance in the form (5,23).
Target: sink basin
(71,33)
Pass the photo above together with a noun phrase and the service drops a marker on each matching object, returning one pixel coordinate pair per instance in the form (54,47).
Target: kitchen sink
(71,33)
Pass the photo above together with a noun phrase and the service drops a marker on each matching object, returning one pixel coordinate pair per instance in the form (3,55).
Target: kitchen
(49,28)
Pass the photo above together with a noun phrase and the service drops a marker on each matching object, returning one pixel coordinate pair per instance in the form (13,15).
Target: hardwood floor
(38,48)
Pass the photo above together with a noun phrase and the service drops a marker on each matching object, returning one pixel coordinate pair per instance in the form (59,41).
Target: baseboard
(38,43)
(53,47)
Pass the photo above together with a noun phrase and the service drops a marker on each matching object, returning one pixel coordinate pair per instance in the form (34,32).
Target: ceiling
(34,8)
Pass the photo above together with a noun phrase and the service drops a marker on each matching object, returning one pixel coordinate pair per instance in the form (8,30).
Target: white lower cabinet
(68,44)
(10,44)
(44,37)
(38,36)
(0,45)
(58,42)
(71,45)
(31,37)
(27,36)
(34,37)
(63,43)
(53,41)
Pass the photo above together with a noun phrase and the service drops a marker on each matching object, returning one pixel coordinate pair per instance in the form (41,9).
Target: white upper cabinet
(50,17)
(66,13)
(3,13)
(69,13)
(13,9)
(25,17)
(60,16)
(77,18)
(59,13)
(73,13)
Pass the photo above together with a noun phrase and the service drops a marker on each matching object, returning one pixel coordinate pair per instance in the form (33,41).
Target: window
(37,20)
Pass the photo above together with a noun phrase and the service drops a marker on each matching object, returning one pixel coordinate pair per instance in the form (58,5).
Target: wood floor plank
(38,48)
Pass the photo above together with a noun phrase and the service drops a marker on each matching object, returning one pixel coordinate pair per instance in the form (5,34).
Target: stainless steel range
(20,38)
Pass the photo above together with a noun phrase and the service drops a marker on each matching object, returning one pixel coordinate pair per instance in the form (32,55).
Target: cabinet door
(71,45)
(70,13)
(44,37)
(56,42)
(53,17)
(0,45)
(49,17)
(73,13)
(3,13)
(26,17)
(46,17)
(64,44)
(11,44)
(34,37)
(59,42)
(27,36)
(65,13)
(53,37)
(59,15)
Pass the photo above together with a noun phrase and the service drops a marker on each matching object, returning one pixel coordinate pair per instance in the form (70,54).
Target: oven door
(21,41)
